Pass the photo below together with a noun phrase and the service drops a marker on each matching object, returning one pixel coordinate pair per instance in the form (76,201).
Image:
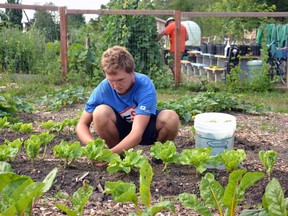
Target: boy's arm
(83,127)
(135,136)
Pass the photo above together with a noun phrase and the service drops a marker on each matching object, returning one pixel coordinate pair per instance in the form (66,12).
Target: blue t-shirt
(141,99)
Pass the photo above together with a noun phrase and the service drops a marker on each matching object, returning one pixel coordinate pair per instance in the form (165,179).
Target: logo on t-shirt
(129,114)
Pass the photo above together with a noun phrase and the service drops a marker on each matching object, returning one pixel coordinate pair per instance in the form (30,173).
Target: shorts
(150,134)
(171,59)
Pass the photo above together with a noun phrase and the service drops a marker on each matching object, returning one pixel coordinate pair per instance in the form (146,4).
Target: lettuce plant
(9,150)
(48,125)
(165,152)
(22,127)
(45,139)
(231,159)
(268,159)
(32,148)
(97,150)
(197,157)
(130,160)
(68,151)
(4,122)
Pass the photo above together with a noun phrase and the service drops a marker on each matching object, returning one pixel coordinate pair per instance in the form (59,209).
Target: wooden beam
(63,42)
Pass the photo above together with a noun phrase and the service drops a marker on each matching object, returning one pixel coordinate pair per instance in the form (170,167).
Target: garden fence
(63,12)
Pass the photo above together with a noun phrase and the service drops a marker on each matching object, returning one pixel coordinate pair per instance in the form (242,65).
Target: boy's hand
(101,165)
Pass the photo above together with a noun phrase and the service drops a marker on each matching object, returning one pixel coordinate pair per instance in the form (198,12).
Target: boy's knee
(102,114)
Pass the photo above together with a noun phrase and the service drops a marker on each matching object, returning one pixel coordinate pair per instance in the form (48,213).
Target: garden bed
(253,133)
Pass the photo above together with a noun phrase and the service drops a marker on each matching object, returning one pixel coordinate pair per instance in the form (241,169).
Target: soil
(254,132)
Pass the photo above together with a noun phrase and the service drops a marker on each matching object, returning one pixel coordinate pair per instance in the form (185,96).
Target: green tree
(14,15)
(234,27)
(75,21)
(47,22)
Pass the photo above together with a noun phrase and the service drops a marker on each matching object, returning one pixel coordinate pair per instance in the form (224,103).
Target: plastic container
(252,66)
(215,130)
(194,33)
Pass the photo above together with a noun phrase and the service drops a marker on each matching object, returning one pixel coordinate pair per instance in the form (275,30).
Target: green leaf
(153,210)
(273,200)
(230,198)
(6,167)
(49,179)
(231,159)
(197,157)
(211,192)
(121,191)
(268,160)
(81,196)
(165,152)
(66,209)
(236,187)
(191,201)
(146,176)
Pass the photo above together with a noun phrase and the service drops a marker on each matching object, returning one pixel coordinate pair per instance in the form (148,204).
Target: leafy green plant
(126,192)
(231,159)
(9,105)
(97,150)
(4,122)
(48,125)
(44,139)
(59,126)
(214,196)
(9,150)
(19,193)
(188,106)
(166,152)
(67,151)
(78,200)
(61,98)
(130,160)
(273,202)
(199,157)
(32,148)
(22,127)
(71,122)
(268,159)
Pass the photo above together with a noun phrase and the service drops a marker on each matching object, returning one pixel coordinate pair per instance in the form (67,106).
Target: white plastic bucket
(215,130)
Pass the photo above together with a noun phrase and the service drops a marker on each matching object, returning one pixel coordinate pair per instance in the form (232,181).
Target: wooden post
(287,72)
(177,48)
(63,42)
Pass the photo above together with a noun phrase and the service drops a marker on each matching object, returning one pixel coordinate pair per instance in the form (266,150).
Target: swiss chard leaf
(191,201)
(273,200)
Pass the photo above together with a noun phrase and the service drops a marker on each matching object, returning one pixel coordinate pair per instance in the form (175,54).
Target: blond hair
(117,58)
